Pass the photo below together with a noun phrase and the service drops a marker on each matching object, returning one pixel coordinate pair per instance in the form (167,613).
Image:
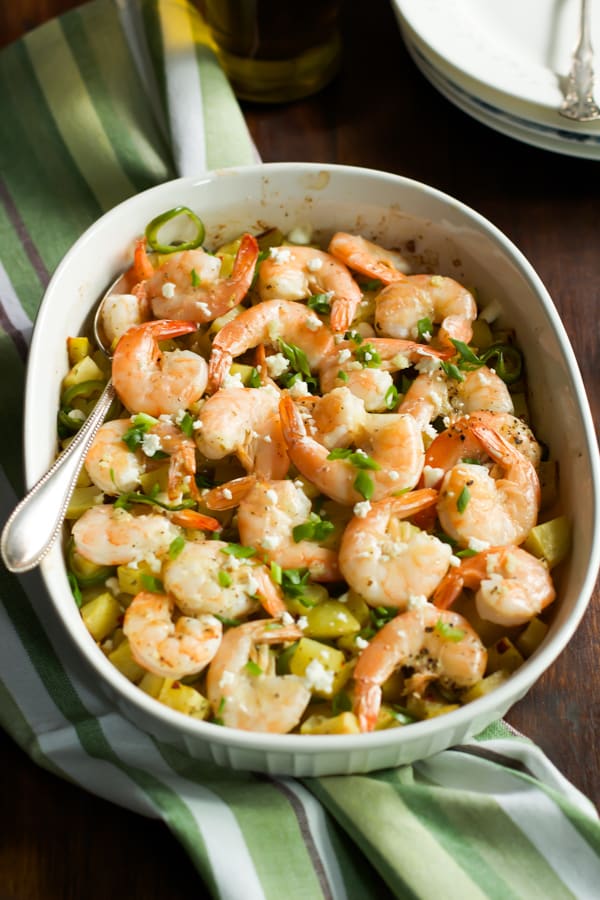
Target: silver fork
(579,103)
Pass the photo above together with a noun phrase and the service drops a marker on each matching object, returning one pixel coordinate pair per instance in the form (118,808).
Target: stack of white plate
(504,62)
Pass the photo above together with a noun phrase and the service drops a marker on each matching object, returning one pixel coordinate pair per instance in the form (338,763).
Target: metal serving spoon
(579,103)
(36,521)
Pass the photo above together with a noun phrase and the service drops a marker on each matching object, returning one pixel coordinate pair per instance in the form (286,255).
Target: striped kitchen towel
(112,98)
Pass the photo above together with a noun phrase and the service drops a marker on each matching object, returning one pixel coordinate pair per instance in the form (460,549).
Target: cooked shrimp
(400,307)
(109,462)
(370,259)
(475,505)
(156,382)
(388,564)
(295,273)
(512,585)
(109,536)
(188,286)
(206,577)
(244,422)
(172,649)
(121,312)
(437,644)
(268,512)
(426,398)
(371,382)
(267,323)
(255,702)
(338,419)
(393,443)
(458,443)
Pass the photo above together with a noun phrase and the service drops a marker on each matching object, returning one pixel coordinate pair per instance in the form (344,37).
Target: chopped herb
(187,425)
(466,553)
(368,356)
(316,529)
(452,371)
(424,326)
(450,632)
(151,583)
(353,336)
(391,397)
(321,303)
(364,485)
(342,376)
(463,500)
(254,379)
(471,461)
(224,578)
(176,546)
(381,615)
(358,459)
(294,582)
(153,228)
(74,585)
(253,668)
(508,363)
(295,356)
(466,354)
(276,573)
(239,551)
(124,501)
(195,278)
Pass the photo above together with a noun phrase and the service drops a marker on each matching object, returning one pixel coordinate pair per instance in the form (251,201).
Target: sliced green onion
(508,363)
(276,573)
(363,484)
(84,389)
(452,371)
(230,623)
(239,551)
(466,353)
(151,583)
(316,529)
(342,376)
(424,326)
(224,578)
(194,278)
(321,303)
(463,500)
(74,585)
(156,224)
(176,546)
(391,397)
(254,379)
(187,425)
(368,356)
(450,632)
(253,668)
(358,459)
(124,501)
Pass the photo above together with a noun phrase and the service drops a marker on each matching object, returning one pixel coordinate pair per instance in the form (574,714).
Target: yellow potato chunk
(344,723)
(101,615)
(550,541)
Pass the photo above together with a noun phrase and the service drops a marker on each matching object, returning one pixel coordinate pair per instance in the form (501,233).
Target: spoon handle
(36,521)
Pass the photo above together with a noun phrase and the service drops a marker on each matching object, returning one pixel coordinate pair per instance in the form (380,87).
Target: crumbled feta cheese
(271,495)
(314,264)
(343,598)
(299,389)
(168,290)
(343,355)
(77,415)
(416,601)
(252,585)
(197,424)
(227,678)
(150,444)
(313,323)
(490,312)
(227,494)
(431,476)
(113,586)
(233,381)
(477,545)
(393,476)
(277,364)
(204,308)
(302,623)
(428,365)
(400,361)
(319,678)
(267,439)
(280,254)
(436,280)
(361,509)
(271,541)
(454,560)
(360,642)
(287,618)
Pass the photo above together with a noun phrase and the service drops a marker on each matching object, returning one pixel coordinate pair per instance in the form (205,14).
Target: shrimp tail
(218,367)
(142,267)
(448,590)
(229,495)
(190,518)
(367,703)
(343,311)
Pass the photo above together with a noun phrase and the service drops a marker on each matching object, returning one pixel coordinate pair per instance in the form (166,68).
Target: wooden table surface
(57,841)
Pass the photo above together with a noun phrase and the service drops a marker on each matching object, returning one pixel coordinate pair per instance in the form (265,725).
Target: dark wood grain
(59,842)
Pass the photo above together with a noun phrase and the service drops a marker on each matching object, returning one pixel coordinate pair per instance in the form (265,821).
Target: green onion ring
(156,224)
(509,362)
(84,389)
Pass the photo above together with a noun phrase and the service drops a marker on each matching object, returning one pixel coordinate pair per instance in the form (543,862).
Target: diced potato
(387,717)
(227,264)
(230,248)
(244,371)
(229,316)
(489,632)
(330,620)
(86,572)
(101,615)
(503,655)
(184,699)
(344,723)
(482,335)
(157,478)
(272,237)
(83,479)
(123,660)
(550,540)
(83,498)
(359,608)
(392,690)
(424,708)
(103,363)
(487,684)
(531,638)
(77,349)
(322,660)
(312,595)
(84,370)
(152,684)
(130,579)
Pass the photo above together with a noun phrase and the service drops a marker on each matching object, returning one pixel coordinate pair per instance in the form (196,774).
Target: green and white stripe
(134,96)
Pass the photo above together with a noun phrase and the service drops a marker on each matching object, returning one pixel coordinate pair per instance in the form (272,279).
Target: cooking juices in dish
(319,505)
